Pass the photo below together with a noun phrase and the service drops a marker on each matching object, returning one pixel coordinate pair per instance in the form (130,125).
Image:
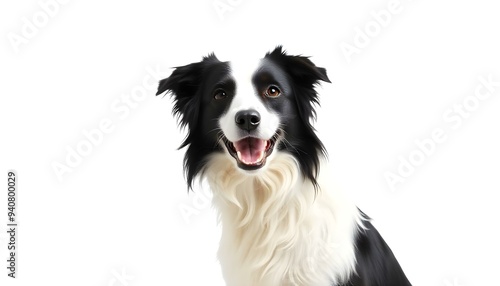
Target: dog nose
(247,119)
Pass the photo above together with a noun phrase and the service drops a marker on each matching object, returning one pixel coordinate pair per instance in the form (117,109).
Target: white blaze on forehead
(242,71)
(247,98)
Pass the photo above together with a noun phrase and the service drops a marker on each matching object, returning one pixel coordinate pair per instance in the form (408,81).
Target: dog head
(248,112)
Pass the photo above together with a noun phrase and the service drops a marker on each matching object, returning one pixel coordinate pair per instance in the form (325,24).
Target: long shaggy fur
(283,221)
(276,231)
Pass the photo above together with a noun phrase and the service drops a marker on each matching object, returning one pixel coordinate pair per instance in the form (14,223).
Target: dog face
(247,112)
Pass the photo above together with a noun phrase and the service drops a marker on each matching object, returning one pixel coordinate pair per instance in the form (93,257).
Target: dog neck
(276,229)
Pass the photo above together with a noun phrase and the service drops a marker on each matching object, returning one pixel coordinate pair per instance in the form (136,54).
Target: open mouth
(251,152)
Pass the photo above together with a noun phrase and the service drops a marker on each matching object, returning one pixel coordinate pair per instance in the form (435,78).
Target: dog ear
(183,85)
(305,75)
(301,68)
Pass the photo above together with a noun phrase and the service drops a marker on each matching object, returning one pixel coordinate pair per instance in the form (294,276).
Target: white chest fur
(276,231)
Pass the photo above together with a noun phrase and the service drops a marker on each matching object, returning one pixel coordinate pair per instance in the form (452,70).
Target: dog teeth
(259,159)
(261,156)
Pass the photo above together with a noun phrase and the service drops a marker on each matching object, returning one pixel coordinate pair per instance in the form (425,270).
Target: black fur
(303,142)
(376,265)
(189,86)
(193,87)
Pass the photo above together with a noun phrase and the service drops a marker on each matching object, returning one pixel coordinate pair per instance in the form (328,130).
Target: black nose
(247,119)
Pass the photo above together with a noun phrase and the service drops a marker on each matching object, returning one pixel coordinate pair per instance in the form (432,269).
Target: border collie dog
(250,136)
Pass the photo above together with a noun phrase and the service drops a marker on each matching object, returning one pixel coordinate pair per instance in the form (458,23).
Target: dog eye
(273,91)
(220,94)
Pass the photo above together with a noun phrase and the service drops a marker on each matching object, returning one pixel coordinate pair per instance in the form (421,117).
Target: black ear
(184,84)
(300,67)
(305,75)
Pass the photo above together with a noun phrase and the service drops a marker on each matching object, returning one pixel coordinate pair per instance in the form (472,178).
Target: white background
(117,213)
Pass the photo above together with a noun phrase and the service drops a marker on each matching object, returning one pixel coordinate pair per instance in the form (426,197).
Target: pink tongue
(251,150)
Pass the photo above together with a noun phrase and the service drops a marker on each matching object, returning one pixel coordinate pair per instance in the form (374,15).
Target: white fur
(247,98)
(275,230)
